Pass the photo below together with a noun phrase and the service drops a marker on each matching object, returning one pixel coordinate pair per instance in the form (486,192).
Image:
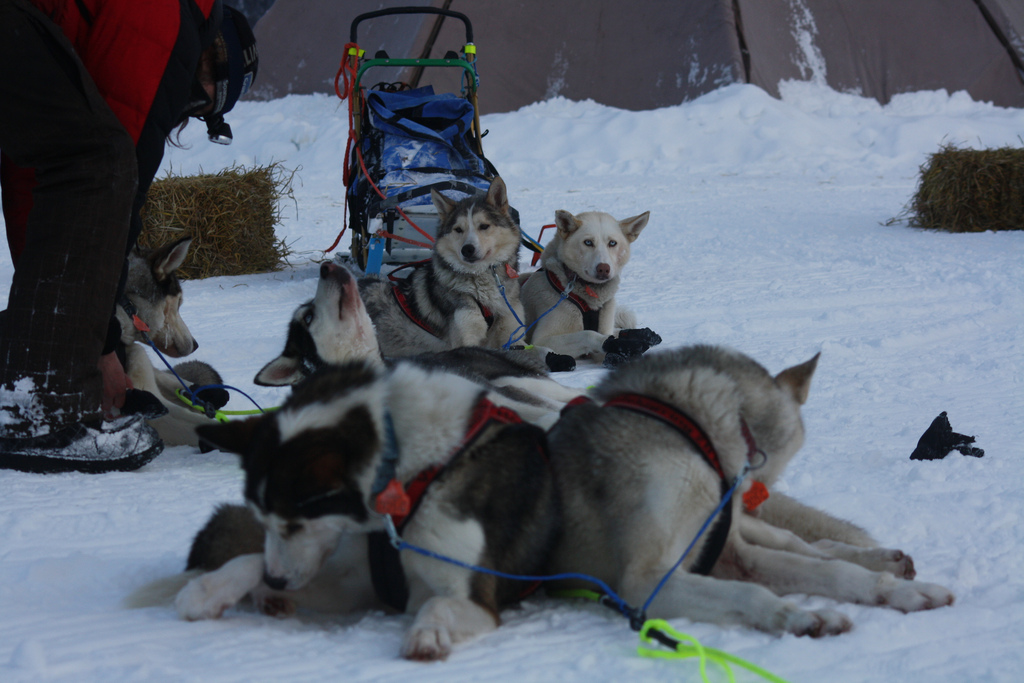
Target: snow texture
(767,233)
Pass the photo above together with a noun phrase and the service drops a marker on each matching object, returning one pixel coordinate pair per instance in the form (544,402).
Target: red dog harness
(401,503)
(590,315)
(688,427)
(403,302)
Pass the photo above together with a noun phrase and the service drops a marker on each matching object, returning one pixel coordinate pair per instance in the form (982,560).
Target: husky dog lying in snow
(579,276)
(318,471)
(154,291)
(642,467)
(454,300)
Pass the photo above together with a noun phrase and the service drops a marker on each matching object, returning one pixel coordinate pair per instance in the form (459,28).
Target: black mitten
(139,402)
(645,334)
(940,439)
(558,362)
(217,397)
(624,346)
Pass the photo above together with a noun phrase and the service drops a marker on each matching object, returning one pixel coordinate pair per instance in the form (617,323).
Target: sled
(405,141)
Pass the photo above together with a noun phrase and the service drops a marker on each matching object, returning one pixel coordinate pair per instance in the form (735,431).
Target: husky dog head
(594,245)
(155,291)
(331,328)
(307,466)
(476,234)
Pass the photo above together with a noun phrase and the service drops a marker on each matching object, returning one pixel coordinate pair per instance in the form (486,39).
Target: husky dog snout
(276,582)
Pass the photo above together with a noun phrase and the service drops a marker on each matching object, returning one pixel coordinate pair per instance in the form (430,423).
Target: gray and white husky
(644,465)
(570,302)
(334,327)
(155,296)
(319,471)
(456,298)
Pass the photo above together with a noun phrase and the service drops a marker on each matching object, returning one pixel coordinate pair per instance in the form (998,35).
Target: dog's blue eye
(308,319)
(589,243)
(612,243)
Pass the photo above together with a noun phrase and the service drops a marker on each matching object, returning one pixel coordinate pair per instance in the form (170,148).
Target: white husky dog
(571,299)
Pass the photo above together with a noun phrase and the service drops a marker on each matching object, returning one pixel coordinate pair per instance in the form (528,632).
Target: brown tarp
(653,53)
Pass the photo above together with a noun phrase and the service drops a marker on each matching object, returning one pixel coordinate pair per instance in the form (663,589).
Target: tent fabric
(646,54)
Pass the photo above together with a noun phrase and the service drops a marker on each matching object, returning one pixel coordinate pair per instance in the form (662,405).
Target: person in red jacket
(90,90)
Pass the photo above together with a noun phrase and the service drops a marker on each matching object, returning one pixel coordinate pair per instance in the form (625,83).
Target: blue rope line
(512,338)
(636,616)
(725,500)
(192,394)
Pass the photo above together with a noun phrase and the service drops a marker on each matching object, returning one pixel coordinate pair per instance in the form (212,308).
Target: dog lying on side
(334,327)
(641,469)
(454,300)
(571,299)
(153,289)
(348,440)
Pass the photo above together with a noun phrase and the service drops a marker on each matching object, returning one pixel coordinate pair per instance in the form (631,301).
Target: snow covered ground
(767,233)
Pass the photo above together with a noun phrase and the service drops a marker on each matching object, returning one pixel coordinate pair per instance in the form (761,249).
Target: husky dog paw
(208,595)
(644,334)
(428,643)
(912,596)
(442,622)
(818,624)
(896,562)
(201,598)
(558,362)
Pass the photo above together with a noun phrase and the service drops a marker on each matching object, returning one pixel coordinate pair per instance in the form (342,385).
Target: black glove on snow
(940,439)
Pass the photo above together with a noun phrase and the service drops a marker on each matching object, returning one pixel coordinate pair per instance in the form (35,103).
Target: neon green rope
(220,415)
(684,651)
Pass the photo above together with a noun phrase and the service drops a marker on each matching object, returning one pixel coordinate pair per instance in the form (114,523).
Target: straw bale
(963,190)
(230,217)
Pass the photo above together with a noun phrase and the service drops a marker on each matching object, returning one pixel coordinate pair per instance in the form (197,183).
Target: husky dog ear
(169,258)
(631,227)
(566,223)
(280,372)
(233,437)
(797,379)
(443,205)
(497,195)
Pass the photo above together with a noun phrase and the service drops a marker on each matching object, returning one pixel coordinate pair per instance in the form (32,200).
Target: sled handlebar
(411,10)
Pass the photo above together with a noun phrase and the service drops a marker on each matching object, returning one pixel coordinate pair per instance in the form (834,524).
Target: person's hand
(115,384)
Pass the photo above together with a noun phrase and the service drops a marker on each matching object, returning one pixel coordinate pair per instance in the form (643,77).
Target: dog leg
(785,572)
(208,595)
(758,532)
(810,523)
(440,592)
(468,328)
(575,344)
(443,622)
(707,599)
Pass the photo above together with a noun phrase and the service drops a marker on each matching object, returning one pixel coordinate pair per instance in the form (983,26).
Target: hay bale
(963,190)
(230,217)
